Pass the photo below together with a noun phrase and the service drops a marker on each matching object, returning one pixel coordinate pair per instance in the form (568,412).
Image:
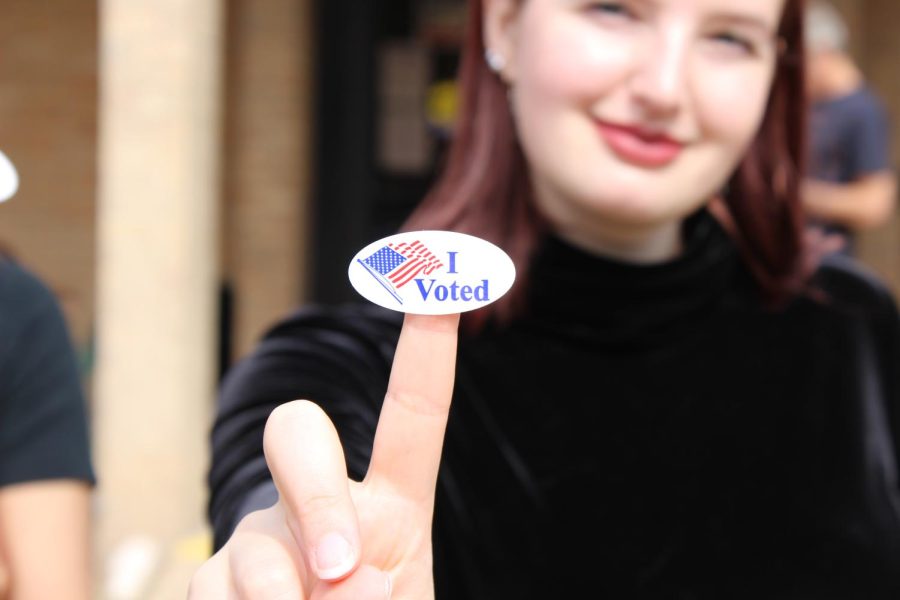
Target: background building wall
(48,128)
(876,44)
(268,163)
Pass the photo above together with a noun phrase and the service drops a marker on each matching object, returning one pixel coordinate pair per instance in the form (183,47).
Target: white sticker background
(431,272)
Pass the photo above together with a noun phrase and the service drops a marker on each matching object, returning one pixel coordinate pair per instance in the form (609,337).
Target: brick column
(157,282)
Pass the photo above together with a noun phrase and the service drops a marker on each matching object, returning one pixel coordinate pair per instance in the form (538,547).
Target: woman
(669,404)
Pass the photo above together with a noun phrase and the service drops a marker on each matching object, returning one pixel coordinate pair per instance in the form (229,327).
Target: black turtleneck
(642,432)
(624,306)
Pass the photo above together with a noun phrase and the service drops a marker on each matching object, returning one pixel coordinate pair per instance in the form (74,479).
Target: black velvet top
(643,432)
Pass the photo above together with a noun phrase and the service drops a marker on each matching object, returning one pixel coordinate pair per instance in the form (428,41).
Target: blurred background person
(852,185)
(45,466)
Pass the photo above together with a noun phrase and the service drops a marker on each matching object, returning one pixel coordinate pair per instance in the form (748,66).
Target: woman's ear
(500,20)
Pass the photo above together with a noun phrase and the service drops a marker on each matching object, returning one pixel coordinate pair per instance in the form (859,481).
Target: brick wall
(48,95)
(878,50)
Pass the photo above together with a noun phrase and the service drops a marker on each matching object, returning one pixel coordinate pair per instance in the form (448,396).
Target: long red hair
(484,189)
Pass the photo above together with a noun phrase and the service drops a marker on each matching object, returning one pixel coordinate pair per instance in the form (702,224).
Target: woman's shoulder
(319,339)
(318,323)
(338,356)
(852,286)
(858,312)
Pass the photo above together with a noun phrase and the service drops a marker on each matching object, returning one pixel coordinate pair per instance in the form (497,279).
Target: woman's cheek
(576,62)
(732,104)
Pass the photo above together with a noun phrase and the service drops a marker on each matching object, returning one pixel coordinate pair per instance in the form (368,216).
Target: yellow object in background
(442,104)
(194,548)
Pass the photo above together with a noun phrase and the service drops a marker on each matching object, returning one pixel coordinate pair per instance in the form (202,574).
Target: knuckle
(203,583)
(253,521)
(261,566)
(315,507)
(268,581)
(418,404)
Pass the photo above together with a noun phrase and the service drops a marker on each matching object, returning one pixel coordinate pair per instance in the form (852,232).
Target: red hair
(484,188)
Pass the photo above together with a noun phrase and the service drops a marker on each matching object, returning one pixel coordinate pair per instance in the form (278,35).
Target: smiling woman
(677,399)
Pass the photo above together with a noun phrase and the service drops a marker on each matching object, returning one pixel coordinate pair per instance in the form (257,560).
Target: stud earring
(494,60)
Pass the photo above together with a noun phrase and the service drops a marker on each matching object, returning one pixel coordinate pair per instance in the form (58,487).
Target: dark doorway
(382,65)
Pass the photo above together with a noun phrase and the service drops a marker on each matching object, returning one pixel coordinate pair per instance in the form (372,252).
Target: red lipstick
(640,146)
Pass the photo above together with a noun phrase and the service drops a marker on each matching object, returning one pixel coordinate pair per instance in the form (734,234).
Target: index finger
(410,434)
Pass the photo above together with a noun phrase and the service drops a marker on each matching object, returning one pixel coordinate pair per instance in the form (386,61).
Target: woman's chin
(634,211)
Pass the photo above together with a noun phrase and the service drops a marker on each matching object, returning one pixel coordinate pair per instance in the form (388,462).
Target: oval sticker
(432,272)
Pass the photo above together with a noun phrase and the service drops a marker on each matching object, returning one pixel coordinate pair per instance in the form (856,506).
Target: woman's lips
(640,147)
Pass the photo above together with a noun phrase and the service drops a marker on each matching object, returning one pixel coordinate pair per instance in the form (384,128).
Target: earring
(494,60)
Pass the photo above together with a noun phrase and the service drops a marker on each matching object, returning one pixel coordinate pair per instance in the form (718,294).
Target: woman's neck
(637,245)
(618,237)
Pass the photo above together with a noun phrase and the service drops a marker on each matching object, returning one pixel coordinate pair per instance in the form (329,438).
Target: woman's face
(633,114)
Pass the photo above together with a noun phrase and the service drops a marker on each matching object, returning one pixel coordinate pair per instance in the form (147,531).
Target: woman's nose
(659,80)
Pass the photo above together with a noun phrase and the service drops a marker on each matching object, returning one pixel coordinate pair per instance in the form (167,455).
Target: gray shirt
(43,415)
(850,138)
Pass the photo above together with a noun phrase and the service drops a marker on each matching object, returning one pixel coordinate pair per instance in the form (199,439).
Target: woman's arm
(45,540)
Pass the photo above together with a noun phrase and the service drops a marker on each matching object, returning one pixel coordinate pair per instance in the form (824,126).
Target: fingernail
(388,586)
(334,556)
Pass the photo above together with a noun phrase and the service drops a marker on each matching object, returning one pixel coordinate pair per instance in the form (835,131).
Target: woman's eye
(734,41)
(610,8)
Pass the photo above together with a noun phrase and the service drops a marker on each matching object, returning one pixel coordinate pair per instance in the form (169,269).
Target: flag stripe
(411,276)
(401,271)
(414,263)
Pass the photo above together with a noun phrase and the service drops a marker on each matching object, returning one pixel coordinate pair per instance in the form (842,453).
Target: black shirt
(43,424)
(642,432)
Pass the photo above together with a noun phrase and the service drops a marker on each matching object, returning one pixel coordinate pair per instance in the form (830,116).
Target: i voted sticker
(432,272)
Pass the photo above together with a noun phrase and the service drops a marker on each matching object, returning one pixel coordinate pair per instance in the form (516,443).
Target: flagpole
(380,280)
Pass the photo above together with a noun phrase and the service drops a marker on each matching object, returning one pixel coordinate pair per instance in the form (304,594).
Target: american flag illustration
(395,265)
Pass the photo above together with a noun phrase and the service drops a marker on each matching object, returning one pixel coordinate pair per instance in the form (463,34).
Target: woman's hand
(331,538)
